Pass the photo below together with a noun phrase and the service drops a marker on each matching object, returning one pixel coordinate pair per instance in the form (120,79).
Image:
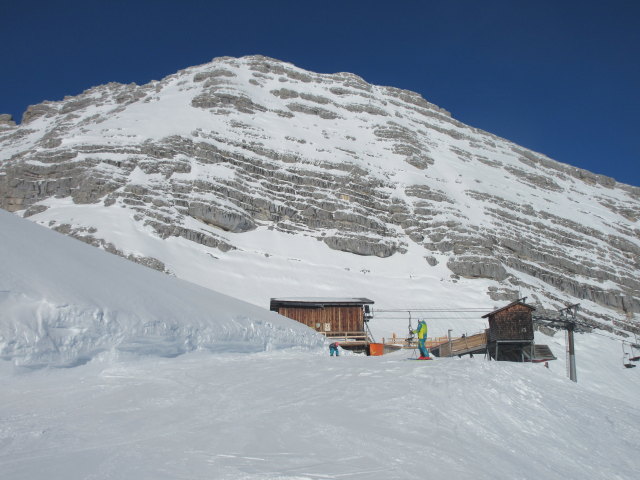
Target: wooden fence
(347,336)
(413,343)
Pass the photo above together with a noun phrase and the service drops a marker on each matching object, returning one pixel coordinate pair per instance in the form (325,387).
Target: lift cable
(561,320)
(381,317)
(592,328)
(405,310)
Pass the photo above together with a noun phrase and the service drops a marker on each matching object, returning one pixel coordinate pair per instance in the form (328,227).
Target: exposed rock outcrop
(239,144)
(6,120)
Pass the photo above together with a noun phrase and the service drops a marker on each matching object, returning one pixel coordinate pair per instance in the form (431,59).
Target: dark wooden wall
(513,323)
(341,319)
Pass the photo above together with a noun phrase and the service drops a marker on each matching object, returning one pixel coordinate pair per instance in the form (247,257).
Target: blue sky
(559,77)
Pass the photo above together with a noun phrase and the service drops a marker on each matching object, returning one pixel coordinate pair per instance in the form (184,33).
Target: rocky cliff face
(241,144)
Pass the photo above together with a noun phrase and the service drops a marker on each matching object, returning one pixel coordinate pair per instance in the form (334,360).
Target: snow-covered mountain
(171,380)
(259,179)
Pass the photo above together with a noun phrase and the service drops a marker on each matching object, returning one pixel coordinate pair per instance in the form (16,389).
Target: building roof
(318,302)
(517,302)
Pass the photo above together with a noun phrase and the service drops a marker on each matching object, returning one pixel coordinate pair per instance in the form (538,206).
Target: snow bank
(62,303)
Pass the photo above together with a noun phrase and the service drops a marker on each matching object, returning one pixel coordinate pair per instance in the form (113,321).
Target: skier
(333,348)
(421,331)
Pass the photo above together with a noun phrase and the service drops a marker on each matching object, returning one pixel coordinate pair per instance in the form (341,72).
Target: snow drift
(63,302)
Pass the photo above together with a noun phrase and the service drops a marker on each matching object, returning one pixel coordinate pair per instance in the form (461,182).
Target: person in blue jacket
(333,349)
(421,331)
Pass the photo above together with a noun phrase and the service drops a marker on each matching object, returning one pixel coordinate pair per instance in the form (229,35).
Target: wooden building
(509,337)
(510,333)
(342,319)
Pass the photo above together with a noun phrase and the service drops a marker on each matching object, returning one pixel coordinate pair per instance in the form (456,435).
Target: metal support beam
(573,376)
(567,320)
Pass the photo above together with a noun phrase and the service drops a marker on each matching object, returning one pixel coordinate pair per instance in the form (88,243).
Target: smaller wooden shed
(343,319)
(510,334)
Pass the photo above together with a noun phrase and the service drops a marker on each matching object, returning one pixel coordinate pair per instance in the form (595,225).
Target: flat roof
(318,302)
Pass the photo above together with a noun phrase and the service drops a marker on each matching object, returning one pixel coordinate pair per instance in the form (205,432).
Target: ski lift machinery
(411,335)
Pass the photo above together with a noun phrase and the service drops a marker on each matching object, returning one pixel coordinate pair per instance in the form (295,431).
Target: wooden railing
(464,344)
(413,343)
(347,336)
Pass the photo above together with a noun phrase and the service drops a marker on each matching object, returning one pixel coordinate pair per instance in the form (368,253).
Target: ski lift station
(345,320)
(341,319)
(510,334)
(509,337)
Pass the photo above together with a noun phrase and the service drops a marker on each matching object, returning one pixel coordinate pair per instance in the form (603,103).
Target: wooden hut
(342,319)
(510,334)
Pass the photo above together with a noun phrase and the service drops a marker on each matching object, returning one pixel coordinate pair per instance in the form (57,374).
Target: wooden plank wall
(514,323)
(341,319)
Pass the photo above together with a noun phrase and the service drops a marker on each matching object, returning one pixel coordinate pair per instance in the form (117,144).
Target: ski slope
(168,380)
(294,416)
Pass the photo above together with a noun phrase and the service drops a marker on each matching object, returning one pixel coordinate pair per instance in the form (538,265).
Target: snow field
(251,395)
(292,415)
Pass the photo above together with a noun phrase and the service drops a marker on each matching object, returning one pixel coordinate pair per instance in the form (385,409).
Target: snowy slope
(295,416)
(254,397)
(63,303)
